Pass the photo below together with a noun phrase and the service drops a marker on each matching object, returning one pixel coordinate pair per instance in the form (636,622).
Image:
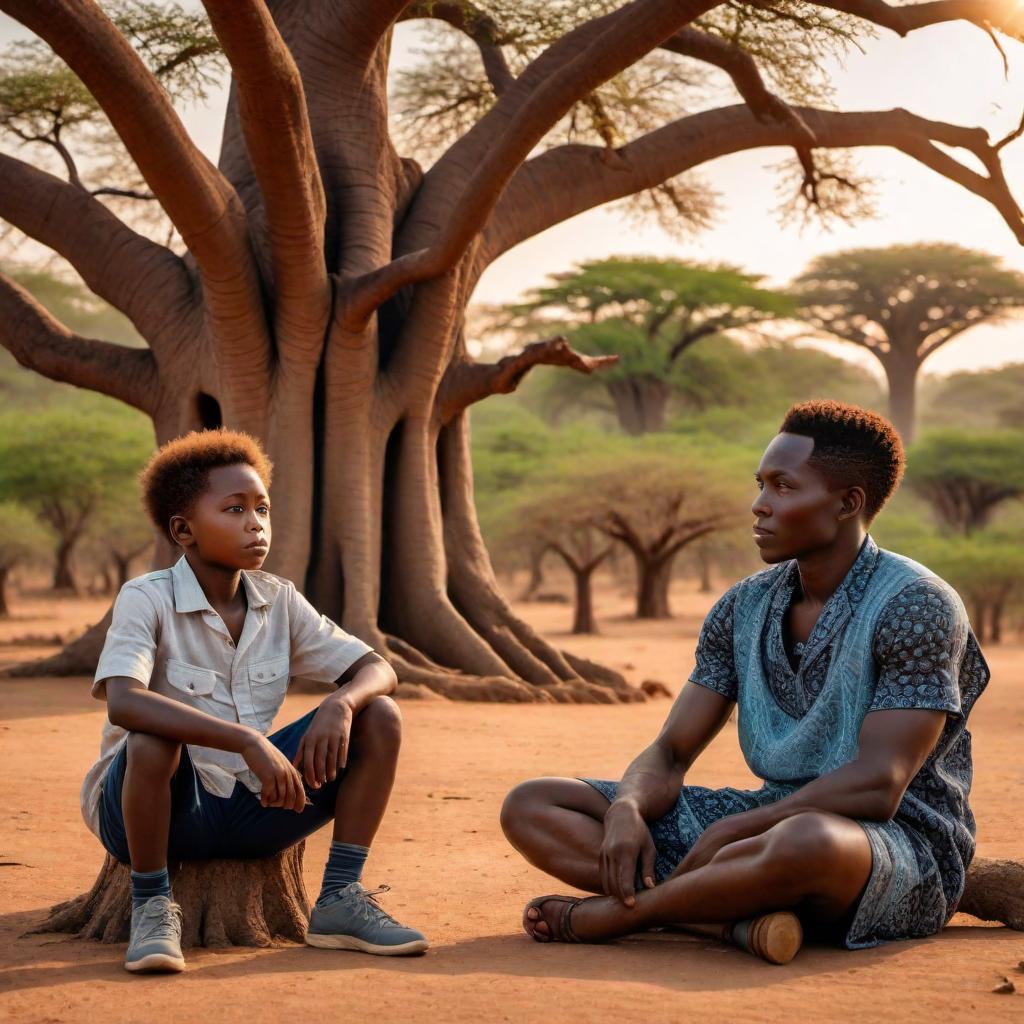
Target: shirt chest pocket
(190,680)
(268,681)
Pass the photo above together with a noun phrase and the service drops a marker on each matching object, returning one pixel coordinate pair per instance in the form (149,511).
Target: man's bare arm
(650,788)
(653,779)
(893,747)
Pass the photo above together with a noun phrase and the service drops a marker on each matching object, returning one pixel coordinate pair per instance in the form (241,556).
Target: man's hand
(627,843)
(324,747)
(281,783)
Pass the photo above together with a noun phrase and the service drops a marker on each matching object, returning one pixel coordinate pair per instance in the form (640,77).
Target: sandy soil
(452,874)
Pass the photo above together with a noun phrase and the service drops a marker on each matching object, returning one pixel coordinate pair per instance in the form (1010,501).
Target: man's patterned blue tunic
(893,635)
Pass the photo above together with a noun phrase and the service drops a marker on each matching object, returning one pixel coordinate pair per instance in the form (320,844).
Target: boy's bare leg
(146,798)
(370,773)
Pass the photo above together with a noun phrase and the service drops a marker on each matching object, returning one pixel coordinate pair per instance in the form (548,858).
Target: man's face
(230,522)
(796,512)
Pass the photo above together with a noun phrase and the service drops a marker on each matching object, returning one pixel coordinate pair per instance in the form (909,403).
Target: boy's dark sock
(344,866)
(147,884)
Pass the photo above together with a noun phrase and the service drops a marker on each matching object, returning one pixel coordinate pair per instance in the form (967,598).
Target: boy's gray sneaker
(155,943)
(355,920)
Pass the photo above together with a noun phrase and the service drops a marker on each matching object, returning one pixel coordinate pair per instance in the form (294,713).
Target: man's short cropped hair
(179,472)
(852,447)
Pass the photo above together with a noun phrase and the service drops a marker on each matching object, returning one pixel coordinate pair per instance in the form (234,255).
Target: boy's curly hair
(179,471)
(852,447)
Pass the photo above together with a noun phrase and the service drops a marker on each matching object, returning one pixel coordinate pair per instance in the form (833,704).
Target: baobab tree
(903,303)
(319,299)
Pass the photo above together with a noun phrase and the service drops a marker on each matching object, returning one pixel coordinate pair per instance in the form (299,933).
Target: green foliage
(913,297)
(966,476)
(975,400)
(66,465)
(23,539)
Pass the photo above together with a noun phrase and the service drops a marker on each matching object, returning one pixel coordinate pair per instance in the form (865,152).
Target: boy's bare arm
(323,749)
(134,708)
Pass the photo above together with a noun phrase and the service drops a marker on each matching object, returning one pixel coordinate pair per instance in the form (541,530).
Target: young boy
(853,671)
(195,667)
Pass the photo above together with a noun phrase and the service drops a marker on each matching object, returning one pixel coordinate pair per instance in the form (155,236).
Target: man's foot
(155,942)
(575,919)
(355,920)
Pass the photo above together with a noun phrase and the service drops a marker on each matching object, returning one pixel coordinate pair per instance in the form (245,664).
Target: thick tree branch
(197,198)
(566,72)
(479,26)
(142,279)
(1000,14)
(466,382)
(745,75)
(41,343)
(568,180)
(275,120)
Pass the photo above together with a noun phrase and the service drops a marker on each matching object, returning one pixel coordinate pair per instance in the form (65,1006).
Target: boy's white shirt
(165,634)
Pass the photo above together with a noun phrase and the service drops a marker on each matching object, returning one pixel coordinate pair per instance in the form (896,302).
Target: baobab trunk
(4,573)
(901,374)
(641,404)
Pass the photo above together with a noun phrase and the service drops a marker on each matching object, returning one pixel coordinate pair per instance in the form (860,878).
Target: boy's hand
(281,783)
(324,747)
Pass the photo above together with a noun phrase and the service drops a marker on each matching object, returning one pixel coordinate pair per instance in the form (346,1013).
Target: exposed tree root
(78,658)
(223,902)
(995,892)
(456,686)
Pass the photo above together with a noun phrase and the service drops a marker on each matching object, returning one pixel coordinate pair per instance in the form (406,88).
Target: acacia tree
(966,477)
(905,302)
(647,312)
(319,300)
(23,540)
(556,516)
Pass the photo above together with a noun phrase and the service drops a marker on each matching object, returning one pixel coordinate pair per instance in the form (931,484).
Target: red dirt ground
(453,875)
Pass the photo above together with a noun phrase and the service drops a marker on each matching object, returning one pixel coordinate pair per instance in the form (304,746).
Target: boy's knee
(380,721)
(153,754)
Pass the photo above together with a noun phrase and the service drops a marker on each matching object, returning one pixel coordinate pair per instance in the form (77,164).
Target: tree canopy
(903,303)
(966,476)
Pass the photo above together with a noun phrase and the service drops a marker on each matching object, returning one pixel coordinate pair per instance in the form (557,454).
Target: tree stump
(223,902)
(995,892)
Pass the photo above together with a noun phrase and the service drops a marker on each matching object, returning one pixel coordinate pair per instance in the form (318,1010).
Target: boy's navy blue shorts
(206,826)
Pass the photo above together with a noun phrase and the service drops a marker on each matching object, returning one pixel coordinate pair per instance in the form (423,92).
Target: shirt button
(230,643)
(191,686)
(259,675)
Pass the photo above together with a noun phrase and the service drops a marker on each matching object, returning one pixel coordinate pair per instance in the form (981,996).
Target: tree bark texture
(223,902)
(321,303)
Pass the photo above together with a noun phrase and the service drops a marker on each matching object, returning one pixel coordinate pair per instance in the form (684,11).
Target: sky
(951,73)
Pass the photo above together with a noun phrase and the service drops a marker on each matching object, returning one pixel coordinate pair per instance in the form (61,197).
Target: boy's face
(229,526)
(795,509)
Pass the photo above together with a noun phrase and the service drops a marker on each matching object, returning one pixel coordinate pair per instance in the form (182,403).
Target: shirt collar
(854,583)
(189,596)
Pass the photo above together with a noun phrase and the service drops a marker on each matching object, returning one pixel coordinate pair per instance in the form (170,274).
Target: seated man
(853,670)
